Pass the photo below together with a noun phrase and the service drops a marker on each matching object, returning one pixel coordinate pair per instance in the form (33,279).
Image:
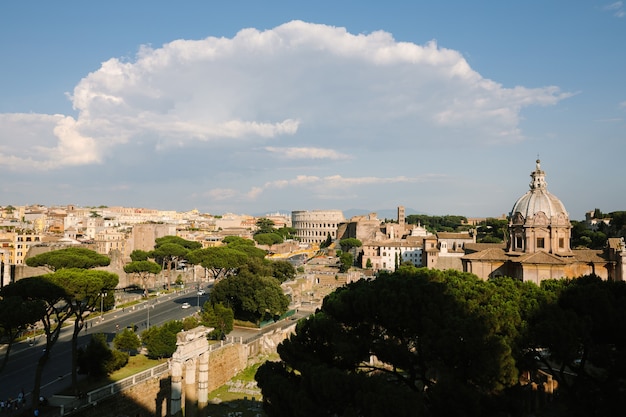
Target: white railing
(126,383)
(113,388)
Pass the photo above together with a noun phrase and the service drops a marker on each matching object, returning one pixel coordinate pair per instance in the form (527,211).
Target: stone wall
(150,398)
(224,363)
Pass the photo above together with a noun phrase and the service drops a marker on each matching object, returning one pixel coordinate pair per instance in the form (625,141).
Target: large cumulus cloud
(297,92)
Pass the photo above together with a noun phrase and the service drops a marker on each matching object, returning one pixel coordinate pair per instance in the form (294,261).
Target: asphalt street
(19,373)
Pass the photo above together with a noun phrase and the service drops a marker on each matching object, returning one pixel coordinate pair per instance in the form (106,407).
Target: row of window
(540,244)
(299,225)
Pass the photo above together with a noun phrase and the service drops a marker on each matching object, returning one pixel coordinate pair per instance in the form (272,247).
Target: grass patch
(136,364)
(248,324)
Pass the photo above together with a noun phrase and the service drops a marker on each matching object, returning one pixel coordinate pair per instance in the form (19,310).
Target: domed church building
(538,244)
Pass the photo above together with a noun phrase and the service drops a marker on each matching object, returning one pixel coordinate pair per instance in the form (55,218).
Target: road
(20,370)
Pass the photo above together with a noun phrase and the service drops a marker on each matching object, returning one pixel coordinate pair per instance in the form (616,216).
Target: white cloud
(232,115)
(306,153)
(616,8)
(317,85)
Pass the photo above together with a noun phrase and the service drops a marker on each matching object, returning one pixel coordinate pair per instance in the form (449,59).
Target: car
(201,292)
(186,305)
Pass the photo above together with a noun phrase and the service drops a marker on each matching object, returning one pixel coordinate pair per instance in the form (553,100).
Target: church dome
(538,202)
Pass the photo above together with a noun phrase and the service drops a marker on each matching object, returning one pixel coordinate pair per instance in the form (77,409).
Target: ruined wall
(225,363)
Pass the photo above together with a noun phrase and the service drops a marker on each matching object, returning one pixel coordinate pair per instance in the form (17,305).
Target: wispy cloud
(306,153)
(617,9)
(323,187)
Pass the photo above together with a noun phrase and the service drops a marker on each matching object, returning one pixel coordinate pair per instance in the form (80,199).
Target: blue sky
(256,107)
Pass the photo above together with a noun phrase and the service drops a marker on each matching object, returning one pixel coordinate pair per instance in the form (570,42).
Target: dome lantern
(538,220)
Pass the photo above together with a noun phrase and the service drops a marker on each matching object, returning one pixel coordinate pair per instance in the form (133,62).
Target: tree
(349,243)
(264,225)
(327,242)
(221,261)
(169,251)
(69,258)
(143,270)
(268,239)
(422,349)
(16,315)
(126,341)
(83,292)
(584,331)
(282,270)
(219,317)
(287,232)
(56,313)
(98,360)
(139,255)
(252,298)
(346,260)
(161,340)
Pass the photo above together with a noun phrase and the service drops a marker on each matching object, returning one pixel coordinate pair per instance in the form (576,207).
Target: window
(519,242)
(561,243)
(540,243)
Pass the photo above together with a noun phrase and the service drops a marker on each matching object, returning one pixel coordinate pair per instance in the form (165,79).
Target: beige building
(538,245)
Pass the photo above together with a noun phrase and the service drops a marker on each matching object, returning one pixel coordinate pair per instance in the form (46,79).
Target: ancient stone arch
(192,359)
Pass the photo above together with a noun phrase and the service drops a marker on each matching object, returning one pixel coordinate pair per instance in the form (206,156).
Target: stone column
(177,389)
(191,390)
(203,383)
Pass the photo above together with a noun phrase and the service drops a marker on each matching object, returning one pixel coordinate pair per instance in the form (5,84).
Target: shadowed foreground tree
(55,314)
(420,348)
(585,334)
(98,360)
(16,315)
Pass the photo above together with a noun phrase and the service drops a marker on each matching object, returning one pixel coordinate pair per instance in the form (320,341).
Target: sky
(256,107)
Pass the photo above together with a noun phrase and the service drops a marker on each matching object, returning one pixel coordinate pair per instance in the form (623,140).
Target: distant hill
(381,213)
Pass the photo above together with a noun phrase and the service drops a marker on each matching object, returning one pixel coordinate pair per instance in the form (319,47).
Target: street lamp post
(102,295)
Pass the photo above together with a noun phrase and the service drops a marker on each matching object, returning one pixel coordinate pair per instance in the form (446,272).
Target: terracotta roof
(477,247)
(588,255)
(541,258)
(490,254)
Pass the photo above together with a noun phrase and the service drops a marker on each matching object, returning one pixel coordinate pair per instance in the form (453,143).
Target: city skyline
(257,108)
